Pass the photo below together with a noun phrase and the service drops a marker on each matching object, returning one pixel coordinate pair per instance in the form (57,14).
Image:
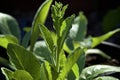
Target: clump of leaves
(46,59)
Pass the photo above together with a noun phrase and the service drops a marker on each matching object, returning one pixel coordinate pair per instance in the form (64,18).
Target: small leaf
(46,34)
(24,60)
(98,40)
(8,25)
(79,27)
(39,18)
(69,63)
(106,78)
(6,39)
(89,73)
(21,75)
(67,24)
(8,73)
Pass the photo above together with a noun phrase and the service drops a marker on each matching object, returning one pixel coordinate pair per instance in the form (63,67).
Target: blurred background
(95,11)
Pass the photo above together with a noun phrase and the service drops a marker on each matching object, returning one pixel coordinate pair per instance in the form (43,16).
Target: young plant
(61,55)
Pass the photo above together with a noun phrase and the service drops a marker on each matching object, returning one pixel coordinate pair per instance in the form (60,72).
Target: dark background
(24,11)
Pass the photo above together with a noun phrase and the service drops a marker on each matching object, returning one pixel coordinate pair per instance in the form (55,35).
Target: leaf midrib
(20,62)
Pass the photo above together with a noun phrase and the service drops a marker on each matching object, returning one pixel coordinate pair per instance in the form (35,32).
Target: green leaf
(46,71)
(98,40)
(74,73)
(79,28)
(69,63)
(39,18)
(8,25)
(46,34)
(41,50)
(89,73)
(21,75)
(8,73)
(97,51)
(106,78)
(6,39)
(24,60)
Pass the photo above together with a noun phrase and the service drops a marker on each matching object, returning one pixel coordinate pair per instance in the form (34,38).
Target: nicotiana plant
(61,53)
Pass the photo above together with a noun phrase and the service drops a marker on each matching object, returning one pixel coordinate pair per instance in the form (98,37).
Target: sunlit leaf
(46,71)
(39,18)
(67,24)
(46,34)
(99,39)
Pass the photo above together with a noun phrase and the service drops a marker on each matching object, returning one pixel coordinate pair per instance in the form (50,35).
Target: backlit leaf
(39,18)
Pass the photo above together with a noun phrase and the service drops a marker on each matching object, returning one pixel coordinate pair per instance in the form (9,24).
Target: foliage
(61,55)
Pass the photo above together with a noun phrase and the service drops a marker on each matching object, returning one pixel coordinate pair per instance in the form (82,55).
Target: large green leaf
(79,28)
(24,60)
(69,63)
(8,73)
(46,71)
(6,39)
(8,25)
(92,72)
(39,18)
(98,40)
(46,34)
(106,78)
